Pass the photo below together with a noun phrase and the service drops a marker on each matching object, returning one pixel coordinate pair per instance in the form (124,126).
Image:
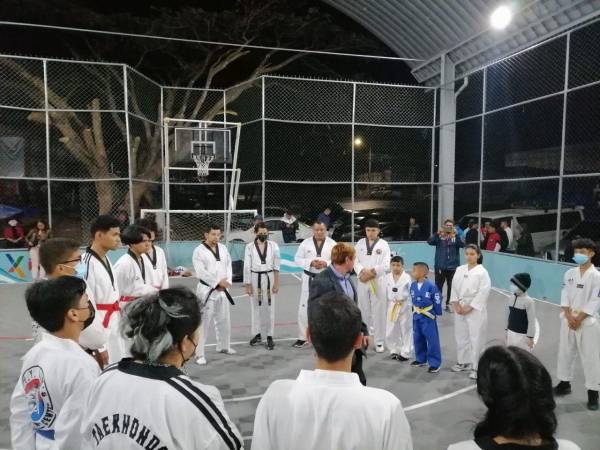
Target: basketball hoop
(202,161)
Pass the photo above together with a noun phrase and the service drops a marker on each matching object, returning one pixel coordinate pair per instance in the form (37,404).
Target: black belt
(310,274)
(225,291)
(260,295)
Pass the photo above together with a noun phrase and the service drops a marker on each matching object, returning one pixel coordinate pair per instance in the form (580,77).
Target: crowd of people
(107,370)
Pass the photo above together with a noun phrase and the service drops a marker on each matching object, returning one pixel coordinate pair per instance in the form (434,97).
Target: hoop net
(202,162)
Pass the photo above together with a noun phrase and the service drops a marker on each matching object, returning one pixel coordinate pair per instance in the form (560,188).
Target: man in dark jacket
(472,235)
(339,277)
(447,259)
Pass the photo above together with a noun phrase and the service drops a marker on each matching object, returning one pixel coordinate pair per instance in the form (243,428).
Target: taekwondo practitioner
(46,407)
(148,402)
(471,287)
(579,328)
(155,259)
(427,305)
(60,257)
(130,270)
(399,338)
(372,263)
(261,280)
(212,264)
(101,281)
(520,314)
(328,408)
(313,256)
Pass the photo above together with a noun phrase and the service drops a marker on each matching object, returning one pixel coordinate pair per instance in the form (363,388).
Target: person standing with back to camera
(447,245)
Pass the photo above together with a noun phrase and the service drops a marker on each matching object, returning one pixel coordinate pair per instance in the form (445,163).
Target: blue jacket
(428,295)
(446,252)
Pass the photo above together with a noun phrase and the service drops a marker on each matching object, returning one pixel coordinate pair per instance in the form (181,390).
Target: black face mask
(184,359)
(87,322)
(262,237)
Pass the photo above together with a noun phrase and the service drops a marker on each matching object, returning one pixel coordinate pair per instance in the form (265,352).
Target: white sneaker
(379,348)
(228,351)
(201,361)
(473,375)
(461,367)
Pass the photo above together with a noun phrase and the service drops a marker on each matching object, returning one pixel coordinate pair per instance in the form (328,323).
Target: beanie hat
(522,281)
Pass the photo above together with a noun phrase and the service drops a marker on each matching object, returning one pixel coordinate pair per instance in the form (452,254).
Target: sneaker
(562,388)
(379,348)
(473,375)
(433,370)
(418,364)
(299,343)
(228,351)
(201,361)
(270,344)
(255,340)
(401,358)
(394,356)
(461,367)
(592,404)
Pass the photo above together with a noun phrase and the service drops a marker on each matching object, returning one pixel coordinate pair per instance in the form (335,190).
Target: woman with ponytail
(517,390)
(147,401)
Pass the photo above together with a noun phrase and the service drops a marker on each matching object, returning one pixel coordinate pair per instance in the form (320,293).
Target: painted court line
(246,342)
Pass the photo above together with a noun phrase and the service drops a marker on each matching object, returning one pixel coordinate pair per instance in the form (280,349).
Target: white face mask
(515,289)
(13,223)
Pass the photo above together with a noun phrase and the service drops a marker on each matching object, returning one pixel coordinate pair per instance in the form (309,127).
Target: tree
(300,24)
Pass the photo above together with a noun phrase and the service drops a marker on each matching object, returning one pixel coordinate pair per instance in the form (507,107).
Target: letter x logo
(15,265)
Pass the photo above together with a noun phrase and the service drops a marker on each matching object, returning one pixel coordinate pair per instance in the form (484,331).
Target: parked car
(274,227)
(586,229)
(394,225)
(541,223)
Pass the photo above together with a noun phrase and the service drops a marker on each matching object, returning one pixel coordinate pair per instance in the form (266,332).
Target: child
(399,318)
(520,314)
(427,304)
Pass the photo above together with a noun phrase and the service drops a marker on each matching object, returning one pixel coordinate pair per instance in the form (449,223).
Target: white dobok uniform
(210,269)
(580,293)
(46,407)
(259,272)
(399,339)
(307,252)
(470,288)
(103,286)
(324,409)
(520,321)
(134,406)
(372,295)
(157,268)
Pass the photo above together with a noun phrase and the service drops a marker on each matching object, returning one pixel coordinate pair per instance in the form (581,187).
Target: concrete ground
(441,408)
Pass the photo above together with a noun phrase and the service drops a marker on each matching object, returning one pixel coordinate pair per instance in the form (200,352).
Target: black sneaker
(299,343)
(562,388)
(418,364)
(592,400)
(394,355)
(433,370)
(401,358)
(270,343)
(256,340)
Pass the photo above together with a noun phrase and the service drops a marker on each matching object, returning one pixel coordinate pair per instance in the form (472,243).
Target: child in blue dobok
(427,305)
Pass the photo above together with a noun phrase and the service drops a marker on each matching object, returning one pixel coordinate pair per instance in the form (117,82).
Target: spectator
(414,230)
(289,226)
(257,219)
(14,234)
(472,235)
(37,235)
(447,245)
(492,243)
(484,233)
(503,238)
(510,245)
(328,407)
(325,217)
(525,242)
(517,390)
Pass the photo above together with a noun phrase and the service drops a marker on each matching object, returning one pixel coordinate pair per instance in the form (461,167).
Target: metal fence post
(352,190)
(562,150)
(483,109)
(432,162)
(47,120)
(263,145)
(129,162)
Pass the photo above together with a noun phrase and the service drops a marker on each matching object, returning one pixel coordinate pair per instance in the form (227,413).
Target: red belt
(111,308)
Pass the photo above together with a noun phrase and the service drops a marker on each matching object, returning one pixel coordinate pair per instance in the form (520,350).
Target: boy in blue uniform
(427,305)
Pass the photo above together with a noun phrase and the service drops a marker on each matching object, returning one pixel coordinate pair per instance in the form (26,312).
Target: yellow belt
(424,311)
(396,310)
(373,286)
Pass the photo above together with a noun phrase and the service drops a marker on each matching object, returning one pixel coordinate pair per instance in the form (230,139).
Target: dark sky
(109,14)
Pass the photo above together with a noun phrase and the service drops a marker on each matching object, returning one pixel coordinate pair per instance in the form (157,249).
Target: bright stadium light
(358,142)
(501,17)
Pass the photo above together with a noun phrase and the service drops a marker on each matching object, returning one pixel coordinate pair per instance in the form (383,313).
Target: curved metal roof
(425,29)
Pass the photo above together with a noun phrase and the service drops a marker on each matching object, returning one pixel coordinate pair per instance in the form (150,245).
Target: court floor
(441,408)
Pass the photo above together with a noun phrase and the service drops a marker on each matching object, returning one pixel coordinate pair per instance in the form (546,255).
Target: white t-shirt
(324,409)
